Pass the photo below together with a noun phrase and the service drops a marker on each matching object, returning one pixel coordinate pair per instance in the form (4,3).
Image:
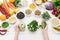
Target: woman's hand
(16,29)
(16,32)
(45,32)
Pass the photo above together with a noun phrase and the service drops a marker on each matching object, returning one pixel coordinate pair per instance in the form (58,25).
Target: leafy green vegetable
(33,26)
(16,2)
(43,25)
(54,0)
(46,16)
(58,16)
(58,9)
(5,24)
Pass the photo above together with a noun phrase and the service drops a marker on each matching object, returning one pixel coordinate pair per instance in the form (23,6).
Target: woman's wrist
(16,33)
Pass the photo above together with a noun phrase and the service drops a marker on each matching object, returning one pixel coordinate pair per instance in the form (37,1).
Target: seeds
(55,22)
(37,12)
(28,11)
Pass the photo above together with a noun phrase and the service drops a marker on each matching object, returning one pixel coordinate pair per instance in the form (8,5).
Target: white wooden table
(27,35)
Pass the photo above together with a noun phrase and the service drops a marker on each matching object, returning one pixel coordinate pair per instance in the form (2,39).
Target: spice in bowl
(37,12)
(28,11)
(32,6)
(12,20)
(55,22)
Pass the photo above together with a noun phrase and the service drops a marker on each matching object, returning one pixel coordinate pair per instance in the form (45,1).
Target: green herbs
(57,4)
(58,9)
(5,24)
(46,16)
(33,26)
(43,25)
(17,2)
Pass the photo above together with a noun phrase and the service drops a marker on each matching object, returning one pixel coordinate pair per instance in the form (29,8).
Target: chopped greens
(46,16)
(5,24)
(33,26)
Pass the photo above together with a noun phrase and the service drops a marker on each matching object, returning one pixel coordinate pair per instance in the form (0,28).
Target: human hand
(45,32)
(46,28)
(16,29)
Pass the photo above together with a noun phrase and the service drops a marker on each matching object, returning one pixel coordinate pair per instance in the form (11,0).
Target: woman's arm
(45,34)
(16,33)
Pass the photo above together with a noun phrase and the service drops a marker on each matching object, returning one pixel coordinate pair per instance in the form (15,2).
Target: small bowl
(55,20)
(21,26)
(37,2)
(5,28)
(12,20)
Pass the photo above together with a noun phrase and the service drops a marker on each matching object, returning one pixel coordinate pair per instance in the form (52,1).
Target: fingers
(46,28)
(16,27)
(43,21)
